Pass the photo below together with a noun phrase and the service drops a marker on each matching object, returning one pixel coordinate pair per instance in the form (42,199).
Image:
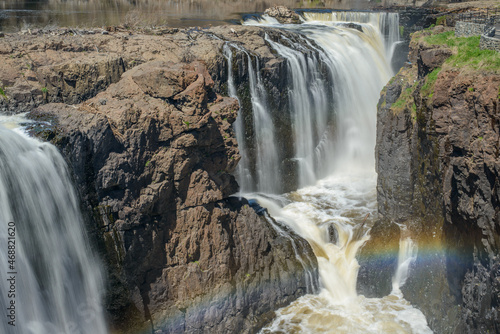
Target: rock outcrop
(71,68)
(152,154)
(283,14)
(439,175)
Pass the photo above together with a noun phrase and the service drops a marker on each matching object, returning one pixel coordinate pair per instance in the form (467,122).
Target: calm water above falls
(336,171)
(17,14)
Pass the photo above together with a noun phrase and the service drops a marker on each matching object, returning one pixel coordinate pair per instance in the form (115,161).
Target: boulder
(283,14)
(431,59)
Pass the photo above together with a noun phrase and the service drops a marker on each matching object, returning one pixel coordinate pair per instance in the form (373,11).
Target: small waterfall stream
(55,283)
(267,156)
(336,72)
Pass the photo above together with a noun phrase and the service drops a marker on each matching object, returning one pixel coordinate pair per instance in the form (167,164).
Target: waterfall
(55,281)
(329,67)
(244,176)
(387,24)
(407,254)
(267,178)
(337,64)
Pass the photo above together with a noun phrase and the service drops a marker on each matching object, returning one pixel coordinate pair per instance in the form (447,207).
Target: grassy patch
(466,52)
(430,80)
(404,99)
(2,93)
(445,38)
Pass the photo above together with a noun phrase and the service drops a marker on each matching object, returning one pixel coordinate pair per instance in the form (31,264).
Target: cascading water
(55,281)
(387,24)
(267,178)
(336,72)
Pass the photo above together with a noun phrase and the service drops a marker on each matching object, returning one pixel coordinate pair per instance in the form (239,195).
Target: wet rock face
(152,157)
(438,174)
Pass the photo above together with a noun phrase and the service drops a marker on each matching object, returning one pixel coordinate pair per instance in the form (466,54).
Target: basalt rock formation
(438,170)
(152,150)
(283,14)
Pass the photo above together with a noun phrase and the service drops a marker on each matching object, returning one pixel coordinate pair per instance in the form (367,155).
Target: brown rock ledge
(152,157)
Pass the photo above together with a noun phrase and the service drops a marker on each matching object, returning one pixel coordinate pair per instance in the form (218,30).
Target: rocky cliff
(152,149)
(438,167)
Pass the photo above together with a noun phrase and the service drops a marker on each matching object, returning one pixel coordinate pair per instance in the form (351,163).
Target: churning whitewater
(334,120)
(57,283)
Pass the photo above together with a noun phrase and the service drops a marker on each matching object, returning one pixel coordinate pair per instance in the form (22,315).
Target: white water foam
(359,63)
(58,283)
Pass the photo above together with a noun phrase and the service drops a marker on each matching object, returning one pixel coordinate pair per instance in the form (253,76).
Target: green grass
(466,52)
(400,103)
(430,80)
(441,20)
(404,99)
(447,38)
(2,93)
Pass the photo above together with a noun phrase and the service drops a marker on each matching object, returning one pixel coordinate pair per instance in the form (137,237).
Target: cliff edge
(438,144)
